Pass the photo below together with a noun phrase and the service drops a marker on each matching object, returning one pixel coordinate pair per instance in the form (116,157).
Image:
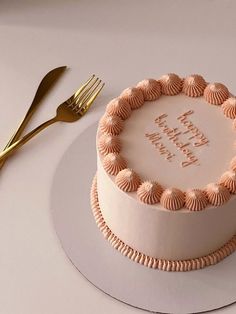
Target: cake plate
(106,268)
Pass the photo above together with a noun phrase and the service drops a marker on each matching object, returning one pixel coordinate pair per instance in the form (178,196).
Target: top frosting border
(109,145)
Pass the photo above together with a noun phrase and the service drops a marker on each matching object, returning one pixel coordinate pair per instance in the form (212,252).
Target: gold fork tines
(93,86)
(70,101)
(70,110)
(84,103)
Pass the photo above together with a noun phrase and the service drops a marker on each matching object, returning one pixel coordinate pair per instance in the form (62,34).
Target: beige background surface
(121,41)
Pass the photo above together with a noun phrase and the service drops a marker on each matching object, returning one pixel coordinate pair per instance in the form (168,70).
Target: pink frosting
(111,125)
(109,144)
(134,96)
(128,180)
(151,89)
(217,194)
(153,262)
(194,85)
(229,108)
(195,200)
(119,107)
(216,93)
(228,179)
(172,199)
(149,192)
(114,163)
(171,84)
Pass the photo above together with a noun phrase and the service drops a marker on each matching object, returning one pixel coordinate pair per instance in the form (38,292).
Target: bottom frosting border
(152,262)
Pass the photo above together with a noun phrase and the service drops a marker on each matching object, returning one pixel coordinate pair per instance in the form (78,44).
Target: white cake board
(106,268)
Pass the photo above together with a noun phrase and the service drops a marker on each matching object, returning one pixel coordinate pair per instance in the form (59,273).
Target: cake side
(158,232)
(149,261)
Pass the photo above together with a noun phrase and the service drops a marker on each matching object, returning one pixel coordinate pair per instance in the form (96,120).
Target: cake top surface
(175,134)
(178,141)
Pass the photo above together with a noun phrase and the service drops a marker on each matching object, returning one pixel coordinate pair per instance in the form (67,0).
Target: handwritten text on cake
(195,138)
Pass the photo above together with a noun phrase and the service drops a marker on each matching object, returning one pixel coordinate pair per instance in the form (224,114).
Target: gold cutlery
(70,110)
(46,84)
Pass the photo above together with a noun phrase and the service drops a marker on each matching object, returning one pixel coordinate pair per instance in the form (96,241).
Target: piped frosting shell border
(111,125)
(229,107)
(171,84)
(217,194)
(128,180)
(109,144)
(172,199)
(150,192)
(194,85)
(119,107)
(134,96)
(216,93)
(228,180)
(150,88)
(114,163)
(195,200)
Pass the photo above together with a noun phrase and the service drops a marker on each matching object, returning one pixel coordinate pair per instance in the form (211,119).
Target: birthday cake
(164,191)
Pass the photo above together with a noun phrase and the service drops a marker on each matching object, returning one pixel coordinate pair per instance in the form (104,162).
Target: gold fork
(70,110)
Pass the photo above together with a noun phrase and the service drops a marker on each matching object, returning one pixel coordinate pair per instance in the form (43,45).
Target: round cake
(164,190)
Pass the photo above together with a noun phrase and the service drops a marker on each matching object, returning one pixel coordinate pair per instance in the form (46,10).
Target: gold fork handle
(8,151)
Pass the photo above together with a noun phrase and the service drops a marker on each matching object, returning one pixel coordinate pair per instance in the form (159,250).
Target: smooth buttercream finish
(216,93)
(112,125)
(119,107)
(172,199)
(114,163)
(151,89)
(153,262)
(229,107)
(109,144)
(194,85)
(171,84)
(134,96)
(149,192)
(228,179)
(217,194)
(128,180)
(160,232)
(195,200)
